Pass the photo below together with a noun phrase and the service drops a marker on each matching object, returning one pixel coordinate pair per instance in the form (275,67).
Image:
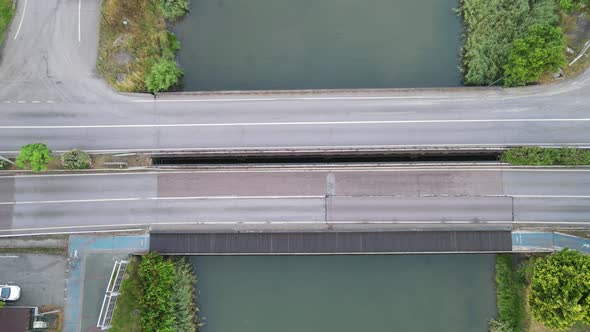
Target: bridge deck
(330,242)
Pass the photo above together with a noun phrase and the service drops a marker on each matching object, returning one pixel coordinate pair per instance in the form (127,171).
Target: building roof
(16,319)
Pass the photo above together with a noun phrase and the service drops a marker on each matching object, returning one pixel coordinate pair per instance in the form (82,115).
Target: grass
(126,317)
(510,293)
(35,250)
(539,156)
(6,15)
(133,37)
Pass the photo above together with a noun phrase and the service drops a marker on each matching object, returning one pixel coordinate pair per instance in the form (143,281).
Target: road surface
(461,197)
(50,92)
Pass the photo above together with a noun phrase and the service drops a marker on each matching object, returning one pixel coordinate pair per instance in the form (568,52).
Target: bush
(163,75)
(34,156)
(541,50)
(509,293)
(538,156)
(157,278)
(75,159)
(573,5)
(560,290)
(173,9)
(491,27)
(183,298)
(4,165)
(499,326)
(6,15)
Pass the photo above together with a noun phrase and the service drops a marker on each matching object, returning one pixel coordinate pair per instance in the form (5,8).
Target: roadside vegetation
(136,51)
(6,15)
(76,159)
(517,42)
(34,156)
(539,156)
(543,294)
(157,294)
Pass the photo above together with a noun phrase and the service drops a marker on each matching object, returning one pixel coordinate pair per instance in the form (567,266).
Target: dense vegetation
(34,156)
(573,5)
(163,291)
(560,290)
(538,156)
(510,286)
(6,15)
(492,26)
(75,159)
(134,43)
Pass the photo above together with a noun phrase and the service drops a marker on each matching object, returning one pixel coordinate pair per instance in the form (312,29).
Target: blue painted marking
(80,245)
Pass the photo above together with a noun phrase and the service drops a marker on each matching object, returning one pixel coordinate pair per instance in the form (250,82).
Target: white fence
(110,297)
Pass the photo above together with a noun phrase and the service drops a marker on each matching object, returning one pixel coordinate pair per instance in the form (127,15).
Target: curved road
(50,92)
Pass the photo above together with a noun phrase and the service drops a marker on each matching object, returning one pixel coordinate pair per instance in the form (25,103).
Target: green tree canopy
(560,290)
(34,156)
(163,75)
(539,51)
(173,9)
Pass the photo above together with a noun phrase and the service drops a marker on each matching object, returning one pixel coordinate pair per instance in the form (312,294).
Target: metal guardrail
(110,298)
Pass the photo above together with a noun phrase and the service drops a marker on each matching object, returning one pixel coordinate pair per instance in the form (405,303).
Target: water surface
(312,44)
(414,293)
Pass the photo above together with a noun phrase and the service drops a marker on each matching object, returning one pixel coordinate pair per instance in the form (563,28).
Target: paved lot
(41,277)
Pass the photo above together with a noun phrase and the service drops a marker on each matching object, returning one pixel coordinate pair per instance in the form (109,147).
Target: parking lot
(40,276)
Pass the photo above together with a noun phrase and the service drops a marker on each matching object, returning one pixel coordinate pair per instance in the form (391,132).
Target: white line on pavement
(131,199)
(304,169)
(182,198)
(21,19)
(298,123)
(79,11)
(8,256)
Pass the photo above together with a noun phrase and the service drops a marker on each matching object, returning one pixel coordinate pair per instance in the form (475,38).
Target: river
(406,293)
(319,44)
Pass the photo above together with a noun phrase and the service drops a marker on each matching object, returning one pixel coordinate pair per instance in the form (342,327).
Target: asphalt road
(484,197)
(50,92)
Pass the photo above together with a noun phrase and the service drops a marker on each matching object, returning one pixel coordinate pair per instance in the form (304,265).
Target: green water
(414,293)
(313,44)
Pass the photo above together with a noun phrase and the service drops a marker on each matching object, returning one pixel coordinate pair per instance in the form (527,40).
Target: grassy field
(127,311)
(6,15)
(133,36)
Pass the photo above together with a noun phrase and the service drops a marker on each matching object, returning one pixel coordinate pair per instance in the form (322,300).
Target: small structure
(110,297)
(17,319)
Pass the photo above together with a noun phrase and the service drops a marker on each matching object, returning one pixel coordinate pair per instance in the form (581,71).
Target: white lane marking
(8,256)
(79,11)
(35,101)
(74,232)
(320,170)
(241,223)
(298,123)
(285,98)
(21,19)
(131,199)
(207,198)
(21,102)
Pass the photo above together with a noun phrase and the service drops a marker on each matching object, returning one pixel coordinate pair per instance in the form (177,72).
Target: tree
(75,159)
(163,75)
(540,50)
(34,156)
(173,9)
(560,290)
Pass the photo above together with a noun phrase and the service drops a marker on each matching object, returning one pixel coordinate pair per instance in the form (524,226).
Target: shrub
(35,156)
(6,15)
(560,290)
(491,27)
(157,277)
(163,75)
(4,165)
(573,5)
(173,9)
(499,326)
(183,298)
(75,159)
(538,156)
(541,50)
(509,293)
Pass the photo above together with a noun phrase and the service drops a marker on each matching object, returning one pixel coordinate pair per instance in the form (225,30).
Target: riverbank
(136,50)
(157,294)
(6,14)
(515,279)
(522,42)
